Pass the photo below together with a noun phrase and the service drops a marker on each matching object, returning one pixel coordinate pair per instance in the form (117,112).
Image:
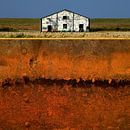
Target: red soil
(35,106)
(42,107)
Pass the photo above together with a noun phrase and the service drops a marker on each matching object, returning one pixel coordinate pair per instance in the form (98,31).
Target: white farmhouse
(66,21)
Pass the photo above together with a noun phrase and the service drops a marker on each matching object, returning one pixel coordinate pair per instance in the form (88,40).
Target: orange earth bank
(85,84)
(65,59)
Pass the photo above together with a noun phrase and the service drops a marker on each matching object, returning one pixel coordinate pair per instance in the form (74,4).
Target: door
(49,28)
(81,28)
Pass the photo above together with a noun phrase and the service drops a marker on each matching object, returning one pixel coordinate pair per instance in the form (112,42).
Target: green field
(109,24)
(29,24)
(19,24)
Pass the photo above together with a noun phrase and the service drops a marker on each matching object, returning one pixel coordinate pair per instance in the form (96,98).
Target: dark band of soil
(61,82)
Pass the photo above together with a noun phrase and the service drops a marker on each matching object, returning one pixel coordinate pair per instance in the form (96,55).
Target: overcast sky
(40,8)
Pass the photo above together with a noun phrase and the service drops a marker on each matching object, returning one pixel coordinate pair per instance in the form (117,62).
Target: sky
(41,8)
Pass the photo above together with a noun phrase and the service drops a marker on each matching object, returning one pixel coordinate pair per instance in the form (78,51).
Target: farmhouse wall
(73,21)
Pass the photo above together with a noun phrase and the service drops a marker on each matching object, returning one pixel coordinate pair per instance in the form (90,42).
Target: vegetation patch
(7,29)
(110,24)
(21,35)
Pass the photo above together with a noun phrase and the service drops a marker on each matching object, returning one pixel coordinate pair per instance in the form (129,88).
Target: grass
(30,24)
(37,34)
(29,27)
(109,24)
(19,24)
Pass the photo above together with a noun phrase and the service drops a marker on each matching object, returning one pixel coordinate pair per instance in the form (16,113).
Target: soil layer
(65,59)
(37,106)
(64,84)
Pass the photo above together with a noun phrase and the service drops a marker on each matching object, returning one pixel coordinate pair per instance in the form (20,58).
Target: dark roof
(64,10)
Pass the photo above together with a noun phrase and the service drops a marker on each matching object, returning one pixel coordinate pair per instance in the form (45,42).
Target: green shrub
(7,29)
(21,35)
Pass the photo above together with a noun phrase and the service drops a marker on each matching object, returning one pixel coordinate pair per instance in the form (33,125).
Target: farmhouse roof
(67,11)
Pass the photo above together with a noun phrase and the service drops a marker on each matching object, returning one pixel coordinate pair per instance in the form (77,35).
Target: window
(65,17)
(64,26)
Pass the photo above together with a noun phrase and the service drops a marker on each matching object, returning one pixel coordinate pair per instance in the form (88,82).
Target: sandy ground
(66,34)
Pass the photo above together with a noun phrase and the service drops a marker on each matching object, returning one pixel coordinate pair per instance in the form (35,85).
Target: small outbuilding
(65,21)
